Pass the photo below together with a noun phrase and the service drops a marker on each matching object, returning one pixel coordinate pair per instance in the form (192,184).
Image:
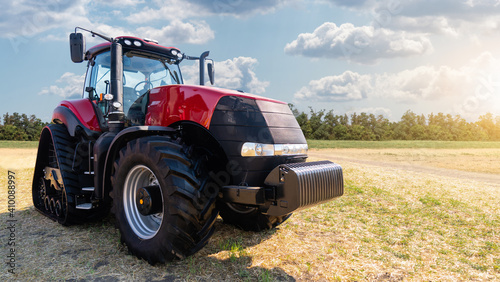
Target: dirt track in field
(450,165)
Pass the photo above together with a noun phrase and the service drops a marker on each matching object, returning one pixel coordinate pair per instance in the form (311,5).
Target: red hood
(173,103)
(228,92)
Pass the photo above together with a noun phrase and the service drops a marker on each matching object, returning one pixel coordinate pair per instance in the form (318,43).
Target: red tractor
(167,158)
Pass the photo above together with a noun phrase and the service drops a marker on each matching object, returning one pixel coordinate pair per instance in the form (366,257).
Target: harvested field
(407,214)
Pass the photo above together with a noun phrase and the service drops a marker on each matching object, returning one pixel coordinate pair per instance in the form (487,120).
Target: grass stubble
(391,225)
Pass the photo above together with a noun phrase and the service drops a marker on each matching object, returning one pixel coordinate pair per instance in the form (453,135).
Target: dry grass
(17,158)
(391,224)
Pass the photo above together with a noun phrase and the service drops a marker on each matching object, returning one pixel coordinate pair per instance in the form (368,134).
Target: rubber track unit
(189,213)
(62,146)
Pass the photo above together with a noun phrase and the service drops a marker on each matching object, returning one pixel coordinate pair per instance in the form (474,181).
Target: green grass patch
(429,201)
(400,144)
(18,144)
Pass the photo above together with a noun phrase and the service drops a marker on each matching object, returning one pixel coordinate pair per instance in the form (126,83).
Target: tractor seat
(137,112)
(129,96)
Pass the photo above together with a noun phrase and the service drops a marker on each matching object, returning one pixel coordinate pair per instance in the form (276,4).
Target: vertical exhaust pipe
(202,67)
(116,115)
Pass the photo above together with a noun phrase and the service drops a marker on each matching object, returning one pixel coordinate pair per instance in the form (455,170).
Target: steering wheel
(147,85)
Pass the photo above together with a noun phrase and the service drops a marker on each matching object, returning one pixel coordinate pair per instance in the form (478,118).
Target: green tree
(11,132)
(383,129)
(321,125)
(21,127)
(487,124)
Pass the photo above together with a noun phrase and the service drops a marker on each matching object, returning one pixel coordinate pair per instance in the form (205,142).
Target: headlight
(250,149)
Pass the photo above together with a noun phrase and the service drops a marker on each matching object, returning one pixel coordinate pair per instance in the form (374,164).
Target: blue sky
(382,57)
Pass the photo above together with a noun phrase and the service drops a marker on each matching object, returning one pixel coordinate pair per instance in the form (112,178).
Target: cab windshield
(141,72)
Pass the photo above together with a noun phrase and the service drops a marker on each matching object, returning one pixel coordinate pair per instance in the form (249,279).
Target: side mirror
(211,72)
(77,47)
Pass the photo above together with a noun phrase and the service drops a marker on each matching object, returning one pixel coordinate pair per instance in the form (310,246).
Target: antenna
(110,39)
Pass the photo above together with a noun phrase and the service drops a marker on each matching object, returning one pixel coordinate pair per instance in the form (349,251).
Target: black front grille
(237,120)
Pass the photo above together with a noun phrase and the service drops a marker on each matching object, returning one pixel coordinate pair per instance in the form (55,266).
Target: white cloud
(168,10)
(430,16)
(194,32)
(240,7)
(182,9)
(177,32)
(467,10)
(424,83)
(414,85)
(26,18)
(416,8)
(427,24)
(121,3)
(469,87)
(68,86)
(363,44)
(111,31)
(237,73)
(345,87)
(90,40)
(349,3)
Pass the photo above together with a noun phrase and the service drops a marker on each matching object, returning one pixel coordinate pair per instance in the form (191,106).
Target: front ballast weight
(291,187)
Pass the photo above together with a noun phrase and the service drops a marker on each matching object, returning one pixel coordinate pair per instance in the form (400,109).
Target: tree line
(21,127)
(322,125)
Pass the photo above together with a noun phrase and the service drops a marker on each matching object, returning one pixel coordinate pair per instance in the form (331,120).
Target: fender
(63,115)
(76,113)
(107,148)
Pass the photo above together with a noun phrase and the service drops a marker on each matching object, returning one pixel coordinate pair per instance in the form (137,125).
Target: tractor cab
(141,72)
(145,66)
(121,71)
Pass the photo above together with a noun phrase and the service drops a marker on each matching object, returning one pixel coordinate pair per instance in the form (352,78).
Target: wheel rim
(145,227)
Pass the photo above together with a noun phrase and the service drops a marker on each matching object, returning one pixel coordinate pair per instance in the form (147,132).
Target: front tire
(183,223)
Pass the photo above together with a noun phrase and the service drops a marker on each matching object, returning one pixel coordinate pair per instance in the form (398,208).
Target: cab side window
(101,74)
(87,92)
